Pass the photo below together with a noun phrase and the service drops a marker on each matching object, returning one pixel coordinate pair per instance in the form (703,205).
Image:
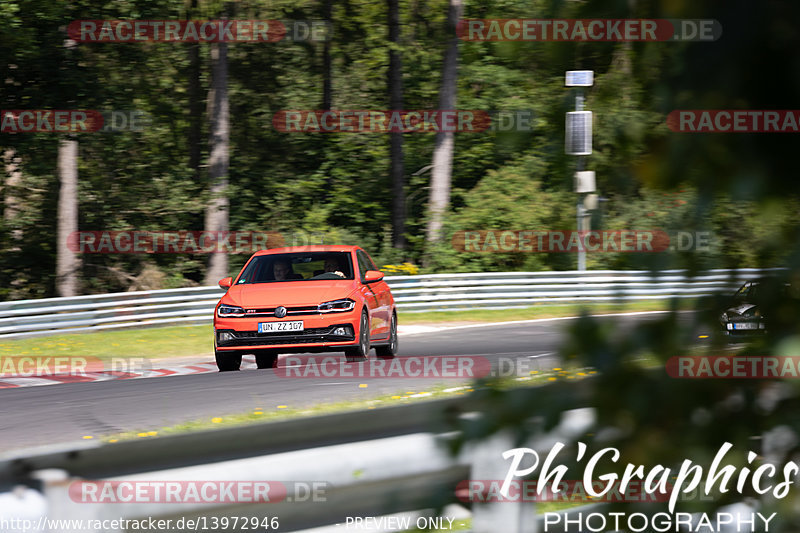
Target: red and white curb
(36,381)
(248,363)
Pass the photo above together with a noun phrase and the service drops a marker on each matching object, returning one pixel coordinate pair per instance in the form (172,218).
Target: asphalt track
(38,416)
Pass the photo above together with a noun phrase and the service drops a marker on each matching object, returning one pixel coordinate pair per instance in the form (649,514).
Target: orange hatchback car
(304,299)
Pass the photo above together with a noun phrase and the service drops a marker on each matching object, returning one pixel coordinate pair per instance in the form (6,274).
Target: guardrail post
(492,517)
(22,508)
(63,513)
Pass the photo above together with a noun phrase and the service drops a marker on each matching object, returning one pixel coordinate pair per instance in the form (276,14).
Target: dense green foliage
(337,185)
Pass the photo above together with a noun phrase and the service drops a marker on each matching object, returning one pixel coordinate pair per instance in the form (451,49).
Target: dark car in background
(747,311)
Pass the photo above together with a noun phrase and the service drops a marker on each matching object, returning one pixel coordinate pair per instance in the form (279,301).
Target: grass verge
(533,312)
(260,414)
(152,343)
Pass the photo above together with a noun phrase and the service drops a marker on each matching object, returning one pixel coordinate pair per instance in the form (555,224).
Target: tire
(360,352)
(266,359)
(228,361)
(388,351)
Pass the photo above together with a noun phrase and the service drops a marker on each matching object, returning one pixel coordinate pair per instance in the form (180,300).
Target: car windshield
(744,291)
(297,267)
(753,290)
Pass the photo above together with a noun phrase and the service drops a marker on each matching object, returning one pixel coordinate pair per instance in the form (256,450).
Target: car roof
(767,279)
(310,248)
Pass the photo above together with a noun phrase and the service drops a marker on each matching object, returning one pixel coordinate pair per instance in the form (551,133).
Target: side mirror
(225,283)
(372,276)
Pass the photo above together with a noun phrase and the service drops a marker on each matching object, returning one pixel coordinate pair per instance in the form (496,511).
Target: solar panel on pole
(579,133)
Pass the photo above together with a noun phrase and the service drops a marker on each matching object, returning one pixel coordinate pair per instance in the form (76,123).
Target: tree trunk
(195,102)
(397,171)
(217,209)
(327,85)
(11,202)
(67,261)
(439,197)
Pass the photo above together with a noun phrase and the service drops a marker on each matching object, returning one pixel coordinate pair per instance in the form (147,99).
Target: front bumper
(337,334)
(318,334)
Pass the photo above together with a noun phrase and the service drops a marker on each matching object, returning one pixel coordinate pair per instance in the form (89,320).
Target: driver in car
(332,265)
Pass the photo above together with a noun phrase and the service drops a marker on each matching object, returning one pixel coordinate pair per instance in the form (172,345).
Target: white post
(493,517)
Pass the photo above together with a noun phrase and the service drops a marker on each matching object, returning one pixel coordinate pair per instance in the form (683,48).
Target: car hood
(290,293)
(741,308)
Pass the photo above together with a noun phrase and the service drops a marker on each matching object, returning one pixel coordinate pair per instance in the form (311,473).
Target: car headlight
(337,306)
(229,311)
(724,317)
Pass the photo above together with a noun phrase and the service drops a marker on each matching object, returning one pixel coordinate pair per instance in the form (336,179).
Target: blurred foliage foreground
(655,419)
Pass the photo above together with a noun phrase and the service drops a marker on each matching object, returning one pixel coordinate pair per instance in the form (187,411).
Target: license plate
(746,325)
(270,327)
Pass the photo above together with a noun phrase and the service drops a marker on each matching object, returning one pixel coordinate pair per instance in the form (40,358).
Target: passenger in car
(282,270)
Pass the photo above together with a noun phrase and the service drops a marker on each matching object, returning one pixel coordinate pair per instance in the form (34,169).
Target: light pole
(578,142)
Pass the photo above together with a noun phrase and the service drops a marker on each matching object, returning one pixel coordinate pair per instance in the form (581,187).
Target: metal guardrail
(435,292)
(373,463)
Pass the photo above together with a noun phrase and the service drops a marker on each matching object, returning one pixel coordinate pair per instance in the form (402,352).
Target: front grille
(290,311)
(307,336)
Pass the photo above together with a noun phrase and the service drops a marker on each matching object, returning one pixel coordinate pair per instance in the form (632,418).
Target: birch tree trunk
(195,101)
(11,201)
(67,261)
(397,171)
(218,112)
(439,196)
(327,68)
